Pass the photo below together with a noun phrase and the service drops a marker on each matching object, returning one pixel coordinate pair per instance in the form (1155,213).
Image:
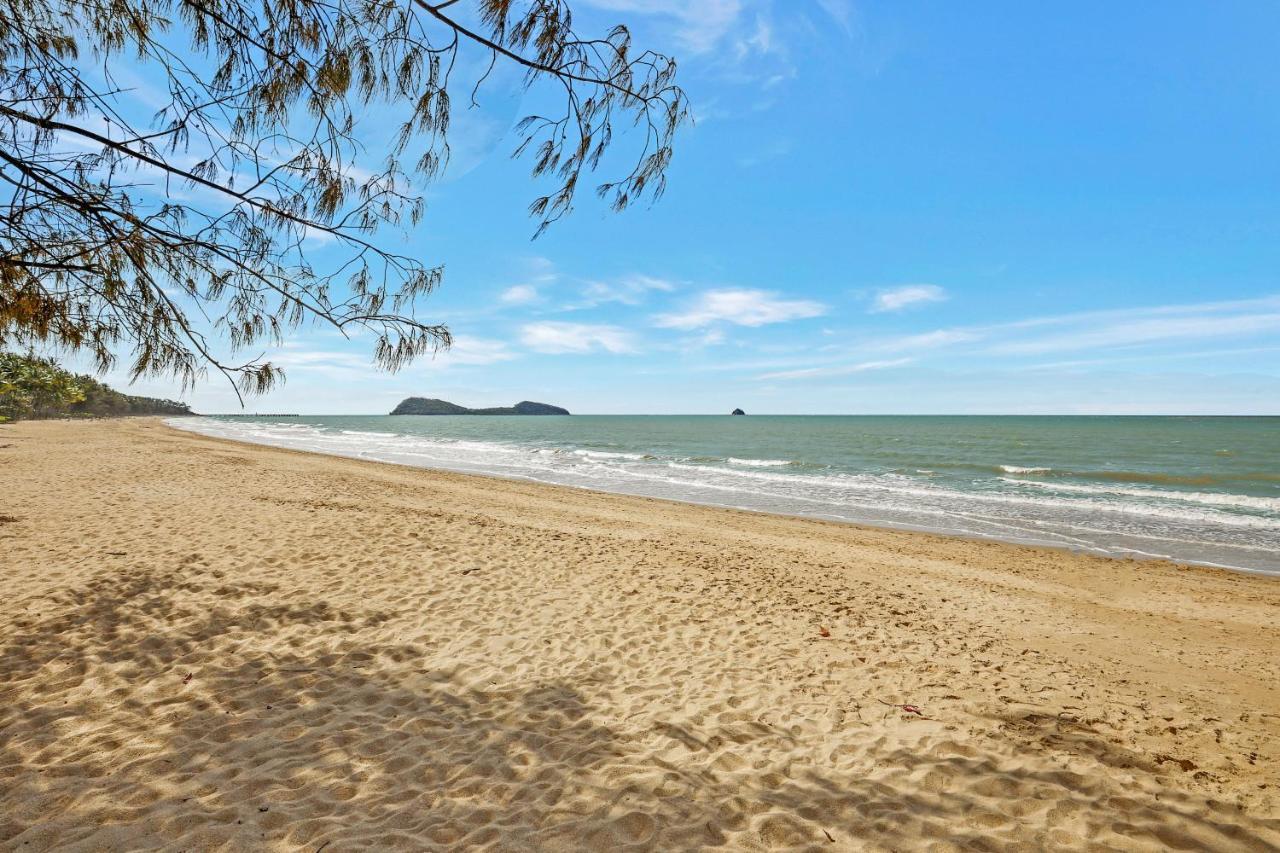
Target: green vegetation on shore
(33,387)
(430,406)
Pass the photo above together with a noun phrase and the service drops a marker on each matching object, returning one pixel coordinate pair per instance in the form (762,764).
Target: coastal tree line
(34,387)
(180,243)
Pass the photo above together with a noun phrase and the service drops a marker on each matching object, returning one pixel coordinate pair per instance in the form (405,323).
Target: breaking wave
(1030,504)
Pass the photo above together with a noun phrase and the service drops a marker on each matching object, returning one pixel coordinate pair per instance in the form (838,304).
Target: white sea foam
(1207,498)
(605,454)
(1018,469)
(908,487)
(1201,526)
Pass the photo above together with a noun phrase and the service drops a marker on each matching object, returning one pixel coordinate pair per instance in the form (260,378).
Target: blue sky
(882,207)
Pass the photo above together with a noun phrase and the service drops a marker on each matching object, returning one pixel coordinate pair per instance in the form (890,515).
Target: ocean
(1194,489)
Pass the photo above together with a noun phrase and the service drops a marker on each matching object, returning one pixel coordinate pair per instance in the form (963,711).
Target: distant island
(737,412)
(428,406)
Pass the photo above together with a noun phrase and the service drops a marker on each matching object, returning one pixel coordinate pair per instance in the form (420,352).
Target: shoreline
(212,643)
(1143,558)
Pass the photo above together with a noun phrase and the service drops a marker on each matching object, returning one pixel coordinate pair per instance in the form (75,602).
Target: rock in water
(738,412)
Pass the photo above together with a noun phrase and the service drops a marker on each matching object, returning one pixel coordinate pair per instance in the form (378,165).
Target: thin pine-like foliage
(178,242)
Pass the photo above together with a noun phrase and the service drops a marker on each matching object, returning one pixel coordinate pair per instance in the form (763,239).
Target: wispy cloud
(898,298)
(838,370)
(1100,334)
(554,337)
(766,151)
(629,290)
(540,268)
(760,39)
(1163,357)
(539,273)
(931,340)
(841,11)
(699,26)
(296,355)
(1129,332)
(740,307)
(543,279)
(711,337)
(467,350)
(1107,329)
(520,294)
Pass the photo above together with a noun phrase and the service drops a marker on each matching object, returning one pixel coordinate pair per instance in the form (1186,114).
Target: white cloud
(742,43)
(838,370)
(1107,336)
(630,290)
(467,350)
(766,151)
(898,298)
(555,337)
(297,358)
(1096,332)
(700,24)
(710,338)
(539,273)
(541,269)
(1248,306)
(355,365)
(1162,357)
(740,307)
(317,238)
(519,294)
(841,10)
(932,340)
(1114,328)
(1127,333)
(760,41)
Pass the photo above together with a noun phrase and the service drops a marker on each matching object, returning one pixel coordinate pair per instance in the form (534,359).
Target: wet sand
(215,646)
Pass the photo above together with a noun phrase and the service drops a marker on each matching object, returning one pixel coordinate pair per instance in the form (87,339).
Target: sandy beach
(216,646)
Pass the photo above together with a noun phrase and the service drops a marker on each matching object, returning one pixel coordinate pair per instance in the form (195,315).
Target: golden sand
(213,646)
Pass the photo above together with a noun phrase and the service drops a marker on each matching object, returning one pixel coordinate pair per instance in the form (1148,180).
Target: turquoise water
(1195,489)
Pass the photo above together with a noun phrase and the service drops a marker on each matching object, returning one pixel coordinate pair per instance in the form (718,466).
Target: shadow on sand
(178,710)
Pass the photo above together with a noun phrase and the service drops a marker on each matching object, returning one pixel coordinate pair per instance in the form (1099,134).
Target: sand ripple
(210,647)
